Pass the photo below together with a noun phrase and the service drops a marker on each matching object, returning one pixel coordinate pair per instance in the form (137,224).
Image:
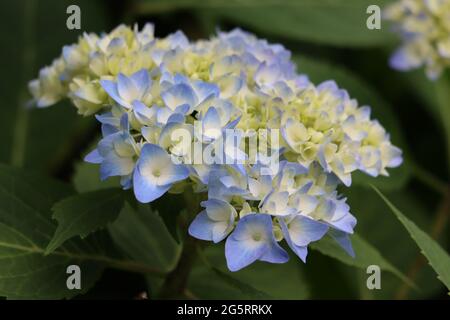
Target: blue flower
(155,173)
(112,123)
(277,204)
(143,114)
(128,89)
(179,95)
(253,240)
(211,125)
(215,222)
(300,232)
(116,155)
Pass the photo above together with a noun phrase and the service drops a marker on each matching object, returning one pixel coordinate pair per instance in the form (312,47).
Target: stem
(176,282)
(28,57)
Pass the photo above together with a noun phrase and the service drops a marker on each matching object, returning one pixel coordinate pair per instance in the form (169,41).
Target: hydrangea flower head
(177,114)
(424,26)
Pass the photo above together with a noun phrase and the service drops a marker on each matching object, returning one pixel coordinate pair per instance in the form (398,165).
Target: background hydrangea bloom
(146,88)
(424,26)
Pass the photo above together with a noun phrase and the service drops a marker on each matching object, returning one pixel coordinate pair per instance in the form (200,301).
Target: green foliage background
(50,216)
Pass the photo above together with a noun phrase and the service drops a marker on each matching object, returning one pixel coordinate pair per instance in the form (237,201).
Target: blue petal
(211,120)
(343,240)
(401,61)
(152,155)
(242,249)
(94,157)
(142,112)
(205,90)
(239,255)
(177,172)
(111,89)
(183,109)
(127,89)
(108,118)
(202,227)
(300,251)
(275,254)
(142,81)
(126,182)
(176,118)
(267,74)
(179,78)
(124,123)
(178,95)
(144,190)
(152,152)
(108,130)
(114,165)
(328,85)
(178,39)
(304,230)
(218,210)
(345,224)
(233,123)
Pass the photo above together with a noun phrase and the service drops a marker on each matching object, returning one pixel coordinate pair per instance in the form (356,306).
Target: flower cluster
(165,101)
(424,26)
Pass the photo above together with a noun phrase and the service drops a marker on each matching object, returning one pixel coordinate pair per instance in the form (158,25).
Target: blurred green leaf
(82,214)
(319,71)
(173,209)
(142,235)
(326,277)
(87,178)
(443,98)
(39,138)
(365,255)
(396,246)
(437,257)
(268,279)
(25,229)
(339,22)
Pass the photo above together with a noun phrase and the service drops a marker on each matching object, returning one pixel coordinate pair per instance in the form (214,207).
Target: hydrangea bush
(148,92)
(424,26)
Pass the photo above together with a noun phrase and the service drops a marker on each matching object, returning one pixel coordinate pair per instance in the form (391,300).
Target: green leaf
(25,230)
(173,208)
(142,235)
(375,223)
(438,259)
(365,255)
(243,288)
(212,280)
(85,213)
(319,71)
(340,23)
(87,178)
